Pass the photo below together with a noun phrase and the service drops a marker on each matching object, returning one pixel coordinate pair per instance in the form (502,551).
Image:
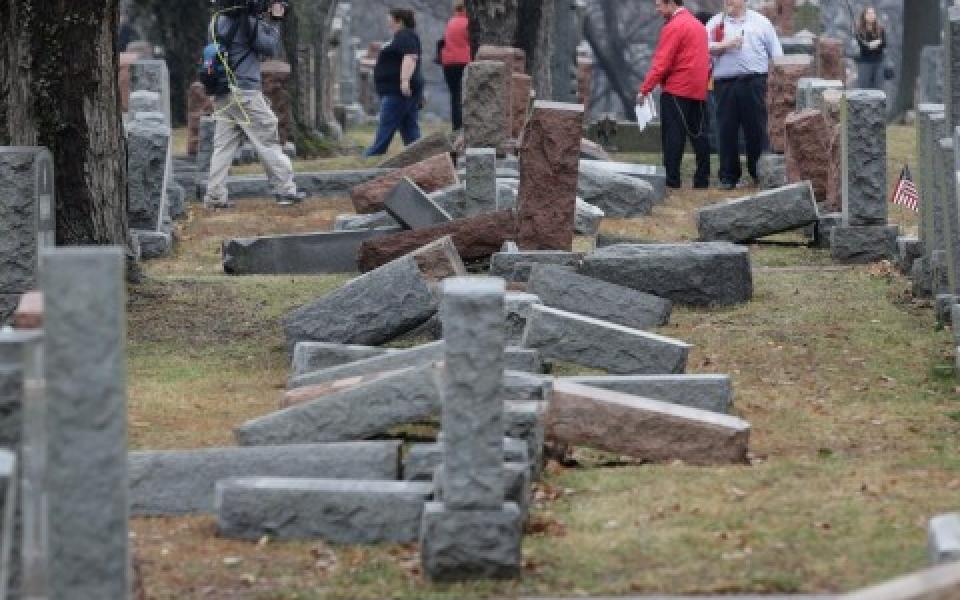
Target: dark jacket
(257,38)
(868,54)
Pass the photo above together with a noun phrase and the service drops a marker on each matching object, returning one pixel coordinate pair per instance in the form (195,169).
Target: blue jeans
(396,113)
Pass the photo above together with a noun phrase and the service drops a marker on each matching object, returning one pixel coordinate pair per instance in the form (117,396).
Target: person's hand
(405,89)
(277,10)
(874,44)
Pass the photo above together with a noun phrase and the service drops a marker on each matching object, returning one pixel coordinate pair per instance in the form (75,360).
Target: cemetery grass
(844,379)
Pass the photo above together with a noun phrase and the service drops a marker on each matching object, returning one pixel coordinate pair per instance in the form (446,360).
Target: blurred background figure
(127,33)
(872,39)
(454,57)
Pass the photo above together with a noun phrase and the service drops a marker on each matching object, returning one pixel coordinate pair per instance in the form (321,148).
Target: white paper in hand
(646,113)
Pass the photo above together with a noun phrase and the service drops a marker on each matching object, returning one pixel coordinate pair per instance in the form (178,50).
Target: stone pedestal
(457,545)
(863,243)
(26,220)
(785,71)
(548,176)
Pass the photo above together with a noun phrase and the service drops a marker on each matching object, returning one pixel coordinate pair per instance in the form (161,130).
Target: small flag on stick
(905,193)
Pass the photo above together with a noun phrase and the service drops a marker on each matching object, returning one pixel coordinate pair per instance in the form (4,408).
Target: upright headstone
(549,164)
(471,532)
(484,104)
(86,470)
(785,71)
(148,145)
(16,351)
(951,61)
(865,158)
(947,173)
(563,60)
(152,75)
(508,56)
(930,121)
(481,180)
(26,220)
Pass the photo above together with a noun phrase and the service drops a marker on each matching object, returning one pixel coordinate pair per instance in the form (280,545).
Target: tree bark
(492,22)
(58,88)
(534,37)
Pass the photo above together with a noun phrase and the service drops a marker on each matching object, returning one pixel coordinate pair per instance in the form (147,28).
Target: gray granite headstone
(926,130)
(152,75)
(932,73)
(148,143)
(412,208)
(86,468)
(951,61)
(484,104)
(481,180)
(298,253)
(8,508)
(26,220)
(948,197)
(865,158)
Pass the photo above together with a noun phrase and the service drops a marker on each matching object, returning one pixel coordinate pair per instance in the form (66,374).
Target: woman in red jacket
(455,56)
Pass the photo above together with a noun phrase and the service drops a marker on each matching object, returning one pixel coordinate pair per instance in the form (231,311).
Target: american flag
(905,193)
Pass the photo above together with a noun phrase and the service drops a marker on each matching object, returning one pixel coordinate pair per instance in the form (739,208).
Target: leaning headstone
(180,482)
(472,532)
(698,274)
(412,208)
(380,305)
(485,104)
(86,458)
(481,180)
(298,253)
(422,149)
(26,220)
(431,174)
(587,218)
(565,289)
(753,217)
(590,342)
(644,428)
(549,166)
(340,511)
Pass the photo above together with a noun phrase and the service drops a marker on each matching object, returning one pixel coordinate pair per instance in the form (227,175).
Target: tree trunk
(307,44)
(534,36)
(58,88)
(610,50)
(493,22)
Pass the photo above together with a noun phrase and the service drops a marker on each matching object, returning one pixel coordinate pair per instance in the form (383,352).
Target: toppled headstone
(371,221)
(563,288)
(548,176)
(431,174)
(508,264)
(698,274)
(785,71)
(644,428)
(600,344)
(617,195)
(391,360)
(314,356)
(655,175)
(298,253)
(771,171)
(411,207)
(753,217)
(587,218)
(704,392)
(422,149)
(341,511)
(517,307)
(380,305)
(943,538)
(176,482)
(474,238)
(153,244)
(359,412)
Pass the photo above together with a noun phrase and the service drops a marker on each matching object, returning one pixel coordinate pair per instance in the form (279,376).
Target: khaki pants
(245,113)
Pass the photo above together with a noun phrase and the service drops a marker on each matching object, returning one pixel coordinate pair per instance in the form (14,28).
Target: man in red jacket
(681,67)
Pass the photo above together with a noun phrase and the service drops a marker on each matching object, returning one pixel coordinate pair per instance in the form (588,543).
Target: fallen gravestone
(341,511)
(600,344)
(422,149)
(654,175)
(617,195)
(322,184)
(313,356)
(405,396)
(177,482)
(753,217)
(516,265)
(698,274)
(644,428)
(392,360)
(474,238)
(380,305)
(298,253)
(563,288)
(412,208)
(431,174)
(703,392)
(587,218)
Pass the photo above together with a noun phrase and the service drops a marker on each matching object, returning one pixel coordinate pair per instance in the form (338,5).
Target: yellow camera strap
(231,76)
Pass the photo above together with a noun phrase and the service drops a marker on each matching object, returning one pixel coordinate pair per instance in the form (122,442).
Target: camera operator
(246,30)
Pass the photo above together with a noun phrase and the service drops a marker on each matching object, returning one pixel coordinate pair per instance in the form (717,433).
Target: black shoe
(726,185)
(703,185)
(290,199)
(674,186)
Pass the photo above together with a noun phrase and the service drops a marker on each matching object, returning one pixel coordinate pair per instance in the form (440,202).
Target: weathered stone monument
(481,180)
(485,104)
(785,71)
(86,445)
(470,531)
(26,220)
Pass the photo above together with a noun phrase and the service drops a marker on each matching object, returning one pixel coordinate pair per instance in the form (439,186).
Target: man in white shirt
(742,43)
